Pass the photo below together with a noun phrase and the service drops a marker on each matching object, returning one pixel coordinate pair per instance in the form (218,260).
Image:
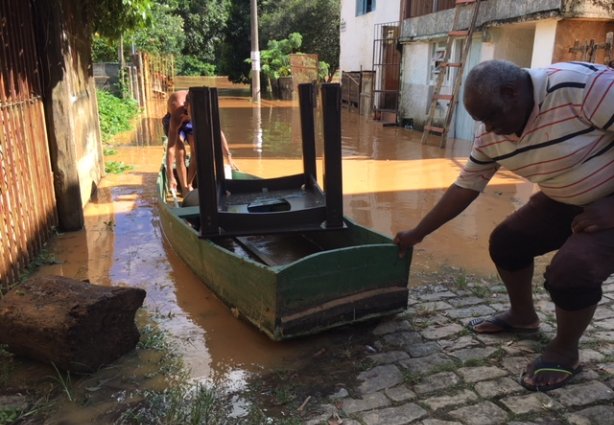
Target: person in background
(555,127)
(177,127)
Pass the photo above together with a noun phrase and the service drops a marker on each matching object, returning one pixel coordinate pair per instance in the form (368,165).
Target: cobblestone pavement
(428,369)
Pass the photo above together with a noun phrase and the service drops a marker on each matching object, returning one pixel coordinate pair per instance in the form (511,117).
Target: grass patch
(116,167)
(116,114)
(109,151)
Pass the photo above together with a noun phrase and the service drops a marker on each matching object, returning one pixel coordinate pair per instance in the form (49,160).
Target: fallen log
(75,325)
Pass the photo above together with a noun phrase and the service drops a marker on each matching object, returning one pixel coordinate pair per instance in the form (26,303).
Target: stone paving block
(438,296)
(527,403)
(583,394)
(424,365)
(607,336)
(399,415)
(464,301)
(492,339)
(473,311)
(423,308)
(458,343)
(590,356)
(481,373)
(421,350)
(401,339)
(607,324)
(368,402)
(498,387)
(484,413)
(595,415)
(516,365)
(438,422)
(607,368)
(603,312)
(388,357)
(436,382)
(521,347)
(392,326)
(378,378)
(442,332)
(400,393)
(476,353)
(448,400)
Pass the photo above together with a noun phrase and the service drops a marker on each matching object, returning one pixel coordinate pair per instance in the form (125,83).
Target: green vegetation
(115,114)
(213,36)
(276,57)
(116,167)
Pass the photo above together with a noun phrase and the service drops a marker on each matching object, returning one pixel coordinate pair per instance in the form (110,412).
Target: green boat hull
(320,280)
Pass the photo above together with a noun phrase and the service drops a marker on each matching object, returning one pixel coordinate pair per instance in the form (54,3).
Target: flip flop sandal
(501,324)
(542,366)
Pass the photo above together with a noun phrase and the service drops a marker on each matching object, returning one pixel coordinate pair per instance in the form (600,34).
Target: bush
(191,65)
(115,114)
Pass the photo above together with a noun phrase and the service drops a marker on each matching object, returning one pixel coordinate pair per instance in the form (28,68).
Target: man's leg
(540,226)
(522,313)
(574,280)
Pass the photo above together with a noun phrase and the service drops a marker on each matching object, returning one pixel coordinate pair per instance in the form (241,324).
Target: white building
(527,32)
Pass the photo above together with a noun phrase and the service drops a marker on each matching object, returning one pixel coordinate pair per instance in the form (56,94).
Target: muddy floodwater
(390,180)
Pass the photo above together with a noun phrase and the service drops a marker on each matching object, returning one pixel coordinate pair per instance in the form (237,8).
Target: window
(364,6)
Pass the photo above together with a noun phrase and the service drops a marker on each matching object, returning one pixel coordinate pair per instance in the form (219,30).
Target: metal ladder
(452,99)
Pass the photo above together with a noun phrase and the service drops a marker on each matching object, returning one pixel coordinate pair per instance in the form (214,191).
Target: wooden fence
(27,200)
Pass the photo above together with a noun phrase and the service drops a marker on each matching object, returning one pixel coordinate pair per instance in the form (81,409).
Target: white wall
(543,47)
(356,33)
(414,81)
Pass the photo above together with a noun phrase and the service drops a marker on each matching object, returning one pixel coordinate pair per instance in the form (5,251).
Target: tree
(111,18)
(162,34)
(279,19)
(205,26)
(237,43)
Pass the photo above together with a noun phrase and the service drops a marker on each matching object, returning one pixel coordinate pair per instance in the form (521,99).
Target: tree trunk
(76,325)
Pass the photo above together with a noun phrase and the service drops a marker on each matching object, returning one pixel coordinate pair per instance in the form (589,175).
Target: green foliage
(111,18)
(191,65)
(323,70)
(103,49)
(236,46)
(276,58)
(317,20)
(116,167)
(164,35)
(205,24)
(115,114)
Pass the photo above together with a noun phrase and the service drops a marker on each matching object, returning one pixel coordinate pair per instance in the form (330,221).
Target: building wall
(570,31)
(356,32)
(543,46)
(414,82)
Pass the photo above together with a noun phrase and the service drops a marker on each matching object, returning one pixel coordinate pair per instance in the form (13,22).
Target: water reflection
(390,181)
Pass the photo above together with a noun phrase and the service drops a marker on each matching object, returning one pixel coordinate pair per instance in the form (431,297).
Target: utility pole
(255,54)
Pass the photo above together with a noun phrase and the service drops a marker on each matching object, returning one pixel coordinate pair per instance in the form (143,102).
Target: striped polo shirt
(567,145)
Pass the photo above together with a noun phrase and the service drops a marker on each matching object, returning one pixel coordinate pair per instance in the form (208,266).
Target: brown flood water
(389,181)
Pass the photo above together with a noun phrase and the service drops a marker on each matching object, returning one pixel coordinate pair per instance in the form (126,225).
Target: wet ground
(389,181)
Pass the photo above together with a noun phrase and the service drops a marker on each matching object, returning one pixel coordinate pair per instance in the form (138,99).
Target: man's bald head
(176,100)
(500,94)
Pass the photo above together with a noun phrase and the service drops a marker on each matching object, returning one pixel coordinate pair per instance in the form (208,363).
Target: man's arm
(227,153)
(170,162)
(597,216)
(451,204)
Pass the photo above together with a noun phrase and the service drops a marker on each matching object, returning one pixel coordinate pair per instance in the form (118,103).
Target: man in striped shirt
(555,127)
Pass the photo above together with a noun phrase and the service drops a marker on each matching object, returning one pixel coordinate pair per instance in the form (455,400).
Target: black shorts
(583,261)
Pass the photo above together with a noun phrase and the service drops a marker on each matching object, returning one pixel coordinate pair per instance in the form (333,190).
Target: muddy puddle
(390,180)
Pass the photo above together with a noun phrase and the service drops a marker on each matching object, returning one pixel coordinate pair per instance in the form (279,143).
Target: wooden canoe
(295,283)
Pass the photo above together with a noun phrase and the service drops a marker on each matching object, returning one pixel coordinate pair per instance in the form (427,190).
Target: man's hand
(172,185)
(178,118)
(406,240)
(597,216)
